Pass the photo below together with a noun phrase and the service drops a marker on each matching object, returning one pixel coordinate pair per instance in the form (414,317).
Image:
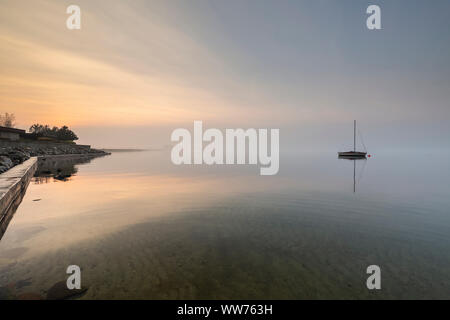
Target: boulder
(59,291)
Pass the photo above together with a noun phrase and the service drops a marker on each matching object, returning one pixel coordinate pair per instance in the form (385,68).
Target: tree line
(63,133)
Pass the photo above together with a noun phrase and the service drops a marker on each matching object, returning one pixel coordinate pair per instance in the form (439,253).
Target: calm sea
(140,227)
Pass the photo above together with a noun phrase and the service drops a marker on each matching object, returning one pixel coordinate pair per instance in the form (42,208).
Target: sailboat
(354,153)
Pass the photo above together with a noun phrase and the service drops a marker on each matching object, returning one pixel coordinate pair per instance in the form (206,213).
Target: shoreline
(13,153)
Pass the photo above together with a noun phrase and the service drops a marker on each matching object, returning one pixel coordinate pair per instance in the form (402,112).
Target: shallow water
(140,227)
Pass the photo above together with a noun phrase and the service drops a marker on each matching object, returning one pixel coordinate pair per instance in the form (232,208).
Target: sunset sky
(138,69)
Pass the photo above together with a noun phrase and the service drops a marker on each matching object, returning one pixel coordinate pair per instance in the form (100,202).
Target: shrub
(44,131)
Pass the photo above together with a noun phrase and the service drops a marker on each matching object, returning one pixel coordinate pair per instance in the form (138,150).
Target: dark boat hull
(352,154)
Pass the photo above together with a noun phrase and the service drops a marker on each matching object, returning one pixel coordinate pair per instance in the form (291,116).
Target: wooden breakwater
(13,185)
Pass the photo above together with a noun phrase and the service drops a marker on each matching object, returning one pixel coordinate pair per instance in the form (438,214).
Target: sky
(139,69)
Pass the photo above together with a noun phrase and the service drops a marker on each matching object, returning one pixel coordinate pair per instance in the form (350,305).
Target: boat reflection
(354,159)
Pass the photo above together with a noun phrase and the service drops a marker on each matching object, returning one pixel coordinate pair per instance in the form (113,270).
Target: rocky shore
(12,154)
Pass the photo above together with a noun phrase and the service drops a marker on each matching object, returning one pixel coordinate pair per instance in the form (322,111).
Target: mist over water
(140,227)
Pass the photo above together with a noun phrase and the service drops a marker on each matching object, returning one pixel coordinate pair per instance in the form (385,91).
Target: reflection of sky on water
(401,201)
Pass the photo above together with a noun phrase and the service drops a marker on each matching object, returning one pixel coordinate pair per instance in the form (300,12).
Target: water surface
(140,227)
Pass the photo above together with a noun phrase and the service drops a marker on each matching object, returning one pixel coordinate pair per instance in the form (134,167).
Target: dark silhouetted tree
(64,133)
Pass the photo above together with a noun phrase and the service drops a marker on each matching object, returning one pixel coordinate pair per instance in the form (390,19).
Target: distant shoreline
(127,150)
